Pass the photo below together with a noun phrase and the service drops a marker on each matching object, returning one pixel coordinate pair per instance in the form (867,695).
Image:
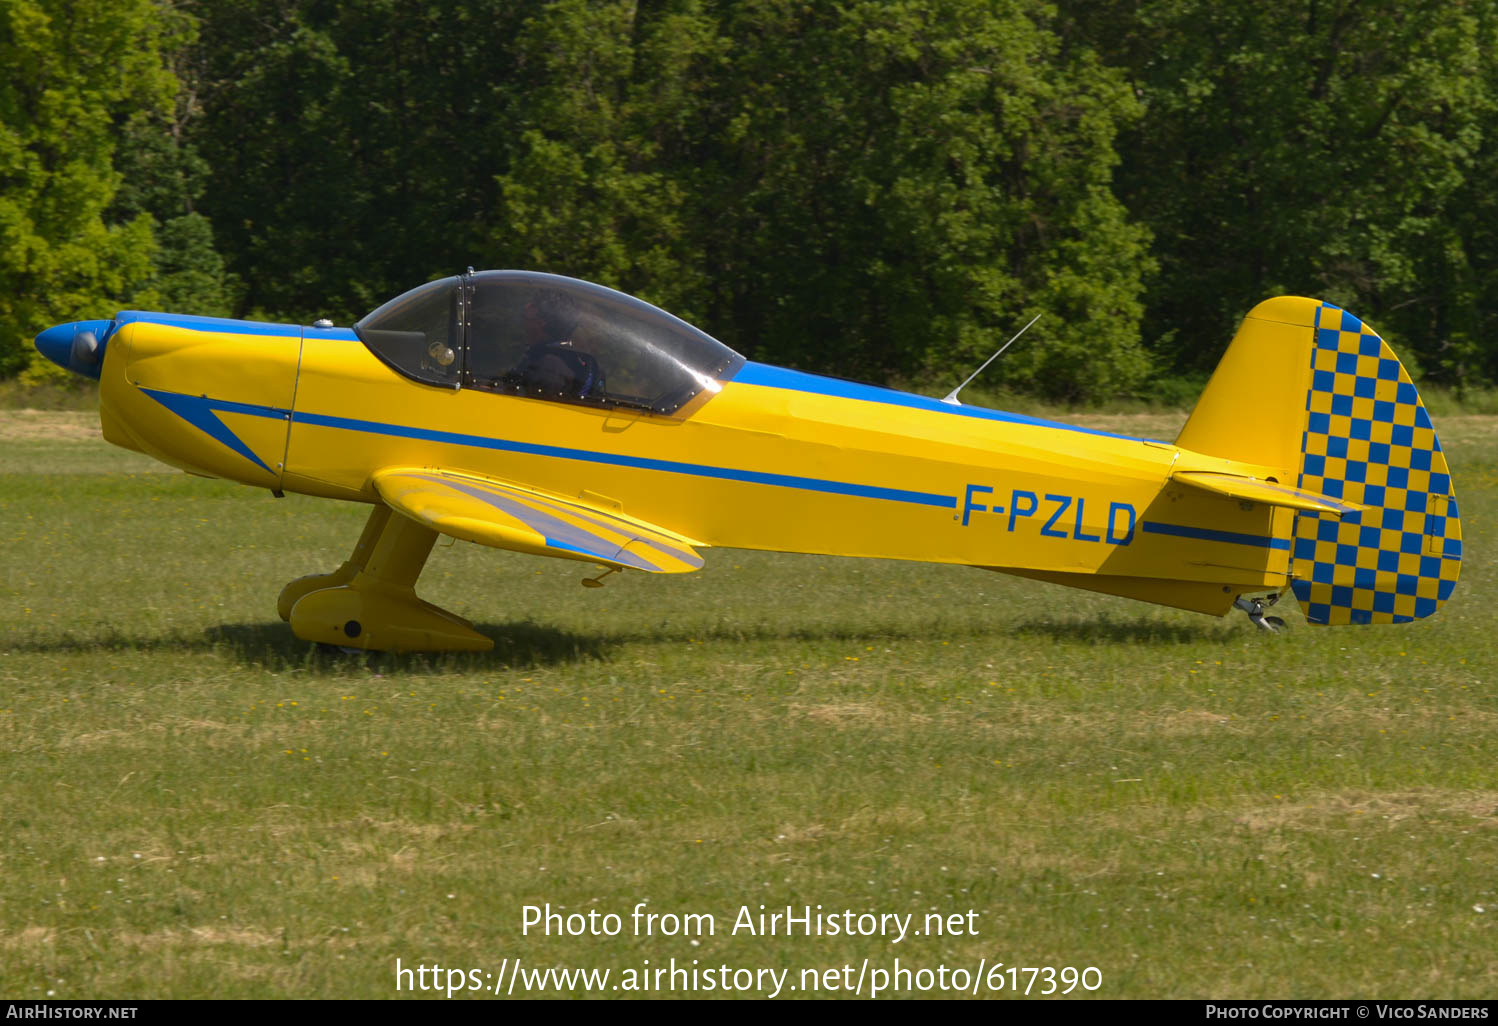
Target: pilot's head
(551,316)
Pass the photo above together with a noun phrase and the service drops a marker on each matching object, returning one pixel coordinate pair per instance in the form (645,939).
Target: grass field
(198,805)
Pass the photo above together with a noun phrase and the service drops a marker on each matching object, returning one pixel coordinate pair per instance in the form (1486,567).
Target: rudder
(1369,440)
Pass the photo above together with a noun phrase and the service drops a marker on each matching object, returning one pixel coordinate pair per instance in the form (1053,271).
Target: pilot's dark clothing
(555,369)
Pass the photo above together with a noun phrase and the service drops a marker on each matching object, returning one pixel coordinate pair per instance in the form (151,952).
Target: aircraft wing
(1251,489)
(507,516)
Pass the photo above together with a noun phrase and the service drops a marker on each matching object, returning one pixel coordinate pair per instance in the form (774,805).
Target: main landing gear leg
(1255,610)
(345,573)
(370,601)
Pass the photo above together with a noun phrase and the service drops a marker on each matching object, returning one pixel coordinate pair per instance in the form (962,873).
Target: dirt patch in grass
(790,833)
(1370,808)
(222,935)
(216,734)
(1189,721)
(848,714)
(192,936)
(49,426)
(28,938)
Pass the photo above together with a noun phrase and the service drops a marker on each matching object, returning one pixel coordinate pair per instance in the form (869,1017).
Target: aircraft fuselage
(771,459)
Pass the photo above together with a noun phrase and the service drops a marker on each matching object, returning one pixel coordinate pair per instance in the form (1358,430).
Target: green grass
(198,805)
(74,393)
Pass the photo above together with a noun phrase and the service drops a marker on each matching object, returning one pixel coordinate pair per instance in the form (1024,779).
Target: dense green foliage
(73,79)
(1328,149)
(882,190)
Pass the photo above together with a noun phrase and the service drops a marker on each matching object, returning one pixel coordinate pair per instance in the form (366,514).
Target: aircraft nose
(77,346)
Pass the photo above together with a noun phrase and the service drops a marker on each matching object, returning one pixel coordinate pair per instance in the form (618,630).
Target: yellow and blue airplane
(552,416)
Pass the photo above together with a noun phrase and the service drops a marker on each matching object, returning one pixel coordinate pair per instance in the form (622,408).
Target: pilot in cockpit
(551,364)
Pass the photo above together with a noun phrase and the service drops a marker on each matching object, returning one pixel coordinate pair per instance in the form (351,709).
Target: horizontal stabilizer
(506,516)
(1271,493)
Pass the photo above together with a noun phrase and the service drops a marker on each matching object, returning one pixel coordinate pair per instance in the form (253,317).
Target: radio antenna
(952,395)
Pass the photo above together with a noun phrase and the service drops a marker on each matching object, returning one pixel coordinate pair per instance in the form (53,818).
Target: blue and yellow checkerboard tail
(1368,440)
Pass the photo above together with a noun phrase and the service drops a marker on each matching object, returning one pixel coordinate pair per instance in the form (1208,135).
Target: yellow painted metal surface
(1254,406)
(774,468)
(202,394)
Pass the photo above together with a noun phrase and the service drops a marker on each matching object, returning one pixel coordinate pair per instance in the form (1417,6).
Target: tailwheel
(1255,609)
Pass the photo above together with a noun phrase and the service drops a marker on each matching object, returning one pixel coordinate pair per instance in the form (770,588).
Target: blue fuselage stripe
(675,467)
(643,463)
(1207,534)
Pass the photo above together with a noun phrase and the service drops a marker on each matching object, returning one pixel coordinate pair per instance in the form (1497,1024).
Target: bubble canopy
(544,336)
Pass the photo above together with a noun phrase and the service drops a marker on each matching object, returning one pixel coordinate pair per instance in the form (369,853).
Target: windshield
(417,333)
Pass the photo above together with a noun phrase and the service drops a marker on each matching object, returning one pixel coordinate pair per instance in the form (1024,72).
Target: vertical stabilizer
(1310,390)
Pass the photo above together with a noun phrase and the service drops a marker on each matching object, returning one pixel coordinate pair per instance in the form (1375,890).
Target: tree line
(878,189)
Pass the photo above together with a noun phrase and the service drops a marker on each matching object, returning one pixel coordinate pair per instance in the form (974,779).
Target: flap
(1250,489)
(506,516)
